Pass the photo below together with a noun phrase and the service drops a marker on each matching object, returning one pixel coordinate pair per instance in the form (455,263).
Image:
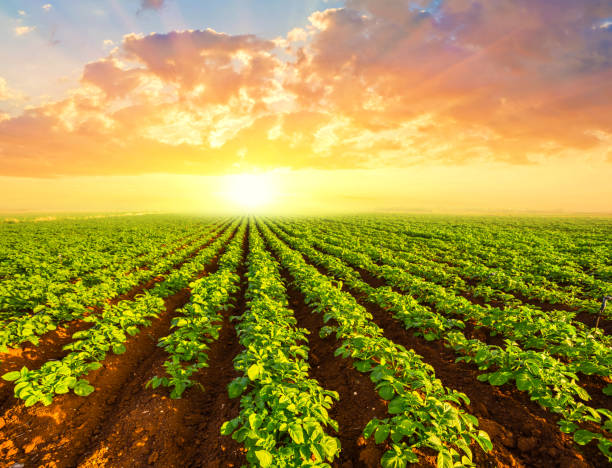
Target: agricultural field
(355,341)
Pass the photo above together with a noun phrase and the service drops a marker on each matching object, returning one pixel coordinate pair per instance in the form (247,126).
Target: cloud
(112,80)
(378,83)
(5,92)
(47,7)
(23,30)
(21,13)
(222,64)
(519,71)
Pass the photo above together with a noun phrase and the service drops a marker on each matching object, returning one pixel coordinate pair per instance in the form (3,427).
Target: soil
(523,433)
(151,429)
(591,319)
(51,343)
(587,318)
(358,403)
(123,423)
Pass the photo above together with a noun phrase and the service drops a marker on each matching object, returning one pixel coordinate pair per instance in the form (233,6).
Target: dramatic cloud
(378,83)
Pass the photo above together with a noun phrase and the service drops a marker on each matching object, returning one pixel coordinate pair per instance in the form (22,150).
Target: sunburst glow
(250,192)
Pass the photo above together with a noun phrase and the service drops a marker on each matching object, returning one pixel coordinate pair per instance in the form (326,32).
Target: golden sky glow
(252,192)
(372,104)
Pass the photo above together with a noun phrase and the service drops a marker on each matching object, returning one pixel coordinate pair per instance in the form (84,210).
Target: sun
(249,191)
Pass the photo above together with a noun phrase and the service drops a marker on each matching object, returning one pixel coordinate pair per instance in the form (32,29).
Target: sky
(317,106)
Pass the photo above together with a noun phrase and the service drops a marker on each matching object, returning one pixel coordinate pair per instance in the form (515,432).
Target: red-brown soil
(51,344)
(523,433)
(358,402)
(148,428)
(123,423)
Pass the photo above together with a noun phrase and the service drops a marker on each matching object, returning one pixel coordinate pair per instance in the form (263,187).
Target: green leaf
(177,391)
(386,392)
(118,348)
(154,382)
(484,441)
(396,406)
(381,434)
(31,400)
(582,393)
(583,437)
(523,382)
(255,421)
(331,447)
(363,366)
(235,389)
(370,428)
(11,376)
(61,388)
(481,356)
(94,366)
(588,368)
(229,426)
(607,390)
(82,388)
(254,371)
(499,378)
(391,459)
(264,457)
(445,460)
(46,400)
(296,433)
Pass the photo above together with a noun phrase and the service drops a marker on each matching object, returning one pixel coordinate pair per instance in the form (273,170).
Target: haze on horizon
(312,105)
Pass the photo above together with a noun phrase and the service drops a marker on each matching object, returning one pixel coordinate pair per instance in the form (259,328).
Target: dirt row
(51,344)
(593,384)
(182,239)
(123,423)
(587,318)
(358,403)
(523,433)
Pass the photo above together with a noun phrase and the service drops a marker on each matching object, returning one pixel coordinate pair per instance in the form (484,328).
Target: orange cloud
(378,83)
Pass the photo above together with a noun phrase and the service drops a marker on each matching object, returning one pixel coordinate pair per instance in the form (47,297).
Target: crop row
(34,291)
(199,321)
(589,351)
(541,269)
(109,330)
(29,327)
(422,412)
(67,249)
(467,275)
(283,416)
(548,381)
